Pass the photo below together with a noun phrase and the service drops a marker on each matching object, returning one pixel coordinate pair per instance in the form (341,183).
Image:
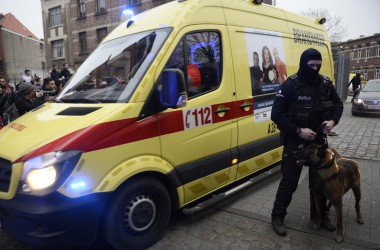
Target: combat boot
(278,227)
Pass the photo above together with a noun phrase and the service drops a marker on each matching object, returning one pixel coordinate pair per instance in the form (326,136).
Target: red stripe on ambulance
(115,133)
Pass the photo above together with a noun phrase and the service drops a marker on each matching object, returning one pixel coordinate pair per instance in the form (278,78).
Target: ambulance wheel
(138,214)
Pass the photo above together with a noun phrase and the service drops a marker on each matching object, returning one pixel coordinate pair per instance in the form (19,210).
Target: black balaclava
(306,74)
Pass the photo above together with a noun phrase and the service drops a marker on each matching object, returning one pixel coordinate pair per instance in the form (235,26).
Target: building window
(366,52)
(101,34)
(1,66)
(351,54)
(101,7)
(57,49)
(81,8)
(83,42)
(365,73)
(359,53)
(377,73)
(356,50)
(133,2)
(378,50)
(55,17)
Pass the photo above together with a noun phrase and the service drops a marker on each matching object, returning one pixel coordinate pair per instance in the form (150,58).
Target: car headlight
(358,101)
(45,173)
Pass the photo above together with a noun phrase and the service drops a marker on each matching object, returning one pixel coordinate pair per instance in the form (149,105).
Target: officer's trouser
(290,175)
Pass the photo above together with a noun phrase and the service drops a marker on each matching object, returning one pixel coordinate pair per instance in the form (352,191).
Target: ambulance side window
(200,54)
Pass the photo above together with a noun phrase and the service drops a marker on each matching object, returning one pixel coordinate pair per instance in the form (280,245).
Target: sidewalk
(243,220)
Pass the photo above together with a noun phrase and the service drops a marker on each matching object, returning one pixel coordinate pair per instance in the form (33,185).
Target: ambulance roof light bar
(126,14)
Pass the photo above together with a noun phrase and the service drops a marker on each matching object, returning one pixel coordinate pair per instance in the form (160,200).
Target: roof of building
(361,38)
(11,23)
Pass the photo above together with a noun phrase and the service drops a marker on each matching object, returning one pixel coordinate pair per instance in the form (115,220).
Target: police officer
(305,109)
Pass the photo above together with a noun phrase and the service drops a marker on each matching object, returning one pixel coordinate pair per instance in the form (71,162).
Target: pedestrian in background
(38,82)
(304,103)
(7,98)
(65,74)
(26,77)
(49,89)
(7,95)
(27,98)
(355,81)
(58,85)
(54,74)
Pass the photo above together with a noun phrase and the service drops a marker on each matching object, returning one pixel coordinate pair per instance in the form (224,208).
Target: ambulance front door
(197,139)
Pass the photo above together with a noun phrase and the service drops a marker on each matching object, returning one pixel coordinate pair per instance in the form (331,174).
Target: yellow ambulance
(172,106)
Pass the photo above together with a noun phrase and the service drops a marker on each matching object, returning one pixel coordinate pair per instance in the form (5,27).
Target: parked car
(368,100)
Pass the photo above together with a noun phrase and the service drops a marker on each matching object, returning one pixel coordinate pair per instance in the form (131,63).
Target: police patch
(279,94)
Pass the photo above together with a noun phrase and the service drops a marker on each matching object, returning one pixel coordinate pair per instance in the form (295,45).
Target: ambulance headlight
(45,173)
(38,179)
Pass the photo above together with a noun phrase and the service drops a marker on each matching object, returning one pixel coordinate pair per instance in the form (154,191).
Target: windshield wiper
(79,100)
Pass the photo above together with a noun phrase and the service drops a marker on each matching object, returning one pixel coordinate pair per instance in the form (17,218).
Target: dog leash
(320,128)
(320,131)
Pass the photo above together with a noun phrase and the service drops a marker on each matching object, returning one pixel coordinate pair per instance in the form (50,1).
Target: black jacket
(65,73)
(6,100)
(355,82)
(54,74)
(24,104)
(287,96)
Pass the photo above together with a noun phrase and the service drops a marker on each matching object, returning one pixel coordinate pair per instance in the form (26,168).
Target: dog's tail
(337,155)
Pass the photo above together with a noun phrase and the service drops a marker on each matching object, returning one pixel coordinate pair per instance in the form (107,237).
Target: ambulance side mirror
(173,92)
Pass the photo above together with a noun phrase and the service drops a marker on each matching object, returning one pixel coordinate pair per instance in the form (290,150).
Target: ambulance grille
(5,174)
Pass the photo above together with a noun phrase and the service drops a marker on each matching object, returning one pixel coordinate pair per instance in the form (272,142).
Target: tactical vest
(313,105)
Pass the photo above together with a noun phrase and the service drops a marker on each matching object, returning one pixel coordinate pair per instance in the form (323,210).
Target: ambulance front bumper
(53,220)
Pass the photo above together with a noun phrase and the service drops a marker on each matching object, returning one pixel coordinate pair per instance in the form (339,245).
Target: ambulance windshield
(114,70)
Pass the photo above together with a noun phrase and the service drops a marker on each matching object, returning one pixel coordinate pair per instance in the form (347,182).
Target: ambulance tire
(138,214)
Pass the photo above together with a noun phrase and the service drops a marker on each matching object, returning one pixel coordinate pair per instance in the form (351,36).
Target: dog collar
(331,162)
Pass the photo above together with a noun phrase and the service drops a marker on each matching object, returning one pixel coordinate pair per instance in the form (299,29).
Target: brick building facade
(91,27)
(73,28)
(364,54)
(57,32)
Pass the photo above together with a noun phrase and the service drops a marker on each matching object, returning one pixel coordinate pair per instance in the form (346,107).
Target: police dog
(335,175)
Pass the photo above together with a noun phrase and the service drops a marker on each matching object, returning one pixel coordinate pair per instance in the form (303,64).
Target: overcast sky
(28,12)
(362,17)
